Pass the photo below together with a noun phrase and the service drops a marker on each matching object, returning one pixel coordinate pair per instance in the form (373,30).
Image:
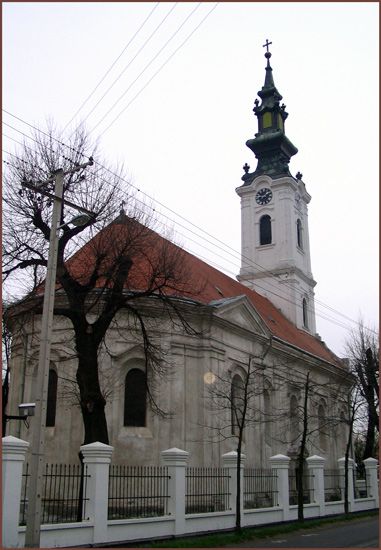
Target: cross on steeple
(267,45)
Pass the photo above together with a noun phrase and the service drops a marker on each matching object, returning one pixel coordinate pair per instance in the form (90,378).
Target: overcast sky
(184,113)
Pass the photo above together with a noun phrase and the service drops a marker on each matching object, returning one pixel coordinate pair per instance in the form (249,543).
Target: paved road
(357,533)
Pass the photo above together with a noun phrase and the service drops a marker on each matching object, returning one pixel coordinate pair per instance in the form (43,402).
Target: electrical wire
(200,229)
(112,66)
(142,72)
(129,64)
(187,229)
(158,71)
(253,264)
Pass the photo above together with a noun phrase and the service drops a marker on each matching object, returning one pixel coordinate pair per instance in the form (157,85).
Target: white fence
(182,484)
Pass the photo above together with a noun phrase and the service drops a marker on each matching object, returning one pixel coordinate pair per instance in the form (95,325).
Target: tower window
(305,313)
(135,395)
(267,120)
(265,230)
(51,404)
(299,233)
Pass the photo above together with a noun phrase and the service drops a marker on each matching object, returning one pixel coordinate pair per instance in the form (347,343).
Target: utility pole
(33,522)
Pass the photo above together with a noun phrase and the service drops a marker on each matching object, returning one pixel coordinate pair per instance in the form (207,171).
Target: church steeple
(274,215)
(270,145)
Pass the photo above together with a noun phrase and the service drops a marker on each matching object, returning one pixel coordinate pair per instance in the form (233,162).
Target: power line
(158,71)
(142,72)
(50,136)
(22,160)
(127,66)
(235,253)
(113,64)
(200,229)
(253,264)
(39,142)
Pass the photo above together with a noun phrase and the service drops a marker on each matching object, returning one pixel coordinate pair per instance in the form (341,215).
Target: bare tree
(298,422)
(7,341)
(353,415)
(235,395)
(362,349)
(310,422)
(103,268)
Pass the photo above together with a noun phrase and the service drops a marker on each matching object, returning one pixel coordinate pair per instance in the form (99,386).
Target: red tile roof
(208,283)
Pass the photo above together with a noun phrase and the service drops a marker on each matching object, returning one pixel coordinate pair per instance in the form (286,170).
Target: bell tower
(274,215)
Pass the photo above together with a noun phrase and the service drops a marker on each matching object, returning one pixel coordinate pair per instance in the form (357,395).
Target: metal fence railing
(64,496)
(260,488)
(137,491)
(360,483)
(333,483)
(207,490)
(293,484)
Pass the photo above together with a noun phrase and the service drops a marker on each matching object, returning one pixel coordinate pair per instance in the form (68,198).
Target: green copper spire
(270,145)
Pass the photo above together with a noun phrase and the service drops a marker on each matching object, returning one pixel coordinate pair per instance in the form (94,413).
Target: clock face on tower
(263,196)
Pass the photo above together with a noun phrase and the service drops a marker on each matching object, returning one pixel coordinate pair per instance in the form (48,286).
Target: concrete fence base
(98,529)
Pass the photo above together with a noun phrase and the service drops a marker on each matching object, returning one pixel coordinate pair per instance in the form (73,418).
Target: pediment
(240,312)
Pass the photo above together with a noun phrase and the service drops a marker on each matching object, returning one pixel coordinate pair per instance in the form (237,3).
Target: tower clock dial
(263,196)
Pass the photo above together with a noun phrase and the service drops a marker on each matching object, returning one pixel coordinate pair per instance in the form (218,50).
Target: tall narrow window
(268,417)
(294,420)
(267,120)
(322,428)
(299,235)
(237,403)
(265,230)
(51,404)
(135,395)
(343,427)
(305,313)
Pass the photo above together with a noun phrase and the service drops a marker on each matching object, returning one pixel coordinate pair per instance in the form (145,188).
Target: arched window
(299,235)
(51,404)
(135,395)
(265,230)
(305,313)
(237,402)
(294,421)
(322,426)
(267,414)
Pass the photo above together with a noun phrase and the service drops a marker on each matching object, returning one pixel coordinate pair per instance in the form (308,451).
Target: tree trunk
(5,393)
(300,486)
(370,435)
(300,478)
(346,463)
(92,401)
(238,495)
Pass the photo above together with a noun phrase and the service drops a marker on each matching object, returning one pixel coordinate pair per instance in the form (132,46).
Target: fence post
(315,464)
(229,460)
(176,461)
(14,451)
(351,491)
(97,457)
(281,464)
(371,465)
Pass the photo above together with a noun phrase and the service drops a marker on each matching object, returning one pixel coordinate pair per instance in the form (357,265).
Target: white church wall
(226,343)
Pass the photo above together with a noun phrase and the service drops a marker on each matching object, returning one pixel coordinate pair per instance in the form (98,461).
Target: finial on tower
(122,211)
(267,54)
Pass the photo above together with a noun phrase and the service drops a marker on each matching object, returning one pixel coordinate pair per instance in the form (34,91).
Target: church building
(264,320)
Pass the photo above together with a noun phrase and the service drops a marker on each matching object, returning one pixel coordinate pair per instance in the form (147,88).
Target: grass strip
(217,540)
